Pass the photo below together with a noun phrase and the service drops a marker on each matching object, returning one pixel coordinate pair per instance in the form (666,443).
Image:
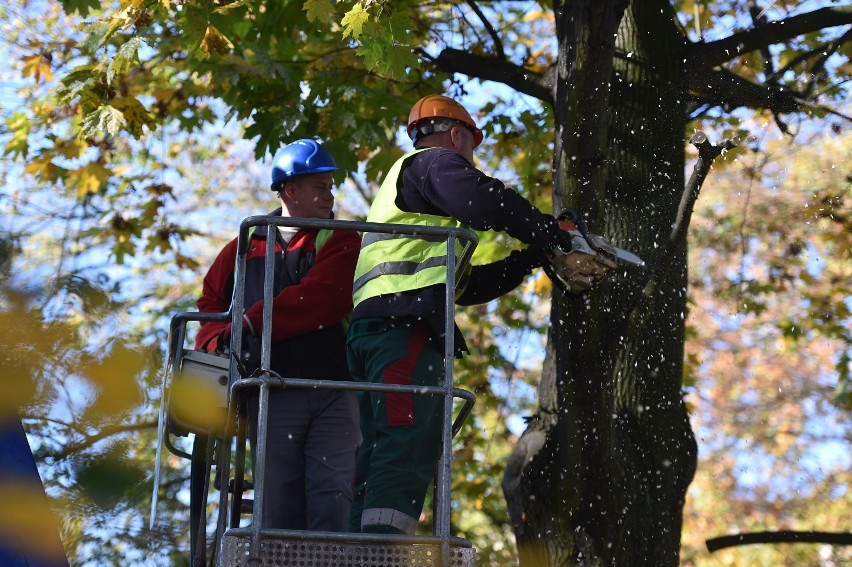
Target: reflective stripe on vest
(394,263)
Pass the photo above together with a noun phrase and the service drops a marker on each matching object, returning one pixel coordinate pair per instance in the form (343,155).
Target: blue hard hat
(301,157)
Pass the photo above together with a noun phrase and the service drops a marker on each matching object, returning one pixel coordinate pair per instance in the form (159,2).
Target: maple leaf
(41,167)
(81,6)
(89,179)
(215,42)
(104,120)
(372,53)
(318,10)
(18,124)
(124,58)
(38,67)
(354,20)
(134,114)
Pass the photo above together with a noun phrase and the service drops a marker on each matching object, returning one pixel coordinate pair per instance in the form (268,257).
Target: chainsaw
(590,259)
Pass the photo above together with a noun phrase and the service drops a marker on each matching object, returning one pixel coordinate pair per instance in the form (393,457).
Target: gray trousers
(312,438)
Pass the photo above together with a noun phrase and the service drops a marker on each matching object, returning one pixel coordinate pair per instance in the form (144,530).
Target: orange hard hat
(438,106)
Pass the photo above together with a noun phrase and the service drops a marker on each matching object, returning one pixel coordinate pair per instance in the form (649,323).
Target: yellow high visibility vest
(394,263)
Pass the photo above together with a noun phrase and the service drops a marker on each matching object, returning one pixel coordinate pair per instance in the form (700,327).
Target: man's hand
(580,261)
(223,341)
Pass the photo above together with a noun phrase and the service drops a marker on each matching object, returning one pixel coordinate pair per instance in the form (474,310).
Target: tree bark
(601,473)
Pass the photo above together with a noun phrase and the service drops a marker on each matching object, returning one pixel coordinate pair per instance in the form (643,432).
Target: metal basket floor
(285,549)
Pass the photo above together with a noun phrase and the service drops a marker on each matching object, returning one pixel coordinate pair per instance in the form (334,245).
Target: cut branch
(497,70)
(717,52)
(707,153)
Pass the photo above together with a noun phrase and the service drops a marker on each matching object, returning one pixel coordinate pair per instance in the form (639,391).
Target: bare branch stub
(707,153)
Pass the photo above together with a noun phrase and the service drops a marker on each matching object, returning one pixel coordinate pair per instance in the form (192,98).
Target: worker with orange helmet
(396,334)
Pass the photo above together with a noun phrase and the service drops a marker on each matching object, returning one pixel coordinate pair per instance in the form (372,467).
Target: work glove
(576,258)
(223,340)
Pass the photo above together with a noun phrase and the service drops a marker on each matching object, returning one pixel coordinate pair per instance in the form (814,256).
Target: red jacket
(315,297)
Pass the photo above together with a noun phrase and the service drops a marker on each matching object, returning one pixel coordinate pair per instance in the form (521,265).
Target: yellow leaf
(135,115)
(196,400)
(71,149)
(354,20)
(115,381)
(228,8)
(38,67)
(89,179)
(41,166)
(215,42)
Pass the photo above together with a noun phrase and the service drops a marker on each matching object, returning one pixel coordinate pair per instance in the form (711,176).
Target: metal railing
(262,380)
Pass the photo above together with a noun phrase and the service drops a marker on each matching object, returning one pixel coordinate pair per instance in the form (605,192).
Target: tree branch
(717,52)
(497,70)
(89,440)
(498,44)
(707,153)
(782,536)
(823,51)
(720,87)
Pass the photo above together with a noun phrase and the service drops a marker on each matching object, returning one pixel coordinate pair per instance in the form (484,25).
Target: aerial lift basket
(217,420)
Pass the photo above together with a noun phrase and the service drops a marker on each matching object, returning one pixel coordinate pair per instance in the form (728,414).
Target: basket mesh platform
(306,551)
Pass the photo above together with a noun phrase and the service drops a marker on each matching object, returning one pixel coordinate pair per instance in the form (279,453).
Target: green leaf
(125,57)
(267,131)
(82,7)
(372,53)
(18,125)
(107,479)
(105,120)
(319,10)
(82,86)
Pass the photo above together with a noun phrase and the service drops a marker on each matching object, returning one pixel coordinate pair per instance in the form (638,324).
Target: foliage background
(105,236)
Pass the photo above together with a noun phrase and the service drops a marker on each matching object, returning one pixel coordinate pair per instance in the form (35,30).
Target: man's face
(309,196)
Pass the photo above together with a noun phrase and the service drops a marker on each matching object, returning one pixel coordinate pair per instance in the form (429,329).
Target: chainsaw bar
(629,257)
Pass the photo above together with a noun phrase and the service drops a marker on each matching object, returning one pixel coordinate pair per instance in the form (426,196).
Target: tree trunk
(600,475)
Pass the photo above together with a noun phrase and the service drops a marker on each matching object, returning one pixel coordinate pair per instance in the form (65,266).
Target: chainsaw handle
(574,216)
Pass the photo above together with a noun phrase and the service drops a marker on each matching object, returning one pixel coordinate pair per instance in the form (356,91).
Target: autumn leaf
(195,399)
(134,115)
(90,179)
(215,42)
(37,66)
(114,379)
(18,125)
(41,167)
(228,8)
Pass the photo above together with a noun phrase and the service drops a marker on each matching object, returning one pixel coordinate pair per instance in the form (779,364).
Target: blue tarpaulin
(18,467)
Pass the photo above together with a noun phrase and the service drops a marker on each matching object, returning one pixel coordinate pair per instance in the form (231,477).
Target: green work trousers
(402,432)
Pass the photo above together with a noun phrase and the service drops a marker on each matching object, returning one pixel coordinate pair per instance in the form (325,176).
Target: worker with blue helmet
(312,433)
